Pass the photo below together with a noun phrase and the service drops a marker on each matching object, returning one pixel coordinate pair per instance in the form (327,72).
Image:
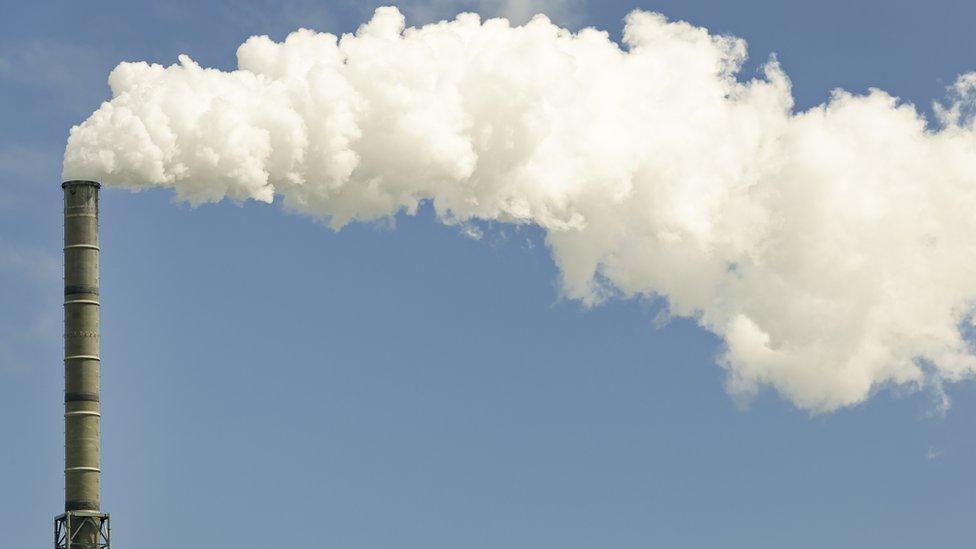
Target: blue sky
(270,383)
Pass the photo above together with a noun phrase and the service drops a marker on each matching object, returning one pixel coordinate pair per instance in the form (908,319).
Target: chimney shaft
(82,525)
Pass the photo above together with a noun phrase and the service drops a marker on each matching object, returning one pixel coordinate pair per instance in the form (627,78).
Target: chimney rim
(80,183)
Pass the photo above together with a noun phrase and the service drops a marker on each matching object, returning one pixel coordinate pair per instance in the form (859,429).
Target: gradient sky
(270,383)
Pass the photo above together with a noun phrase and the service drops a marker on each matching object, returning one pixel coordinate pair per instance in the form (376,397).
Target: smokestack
(82,525)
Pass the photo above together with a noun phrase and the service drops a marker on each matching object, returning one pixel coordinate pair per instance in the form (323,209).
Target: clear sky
(270,383)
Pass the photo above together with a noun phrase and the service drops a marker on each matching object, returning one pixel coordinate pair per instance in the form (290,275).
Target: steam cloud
(832,250)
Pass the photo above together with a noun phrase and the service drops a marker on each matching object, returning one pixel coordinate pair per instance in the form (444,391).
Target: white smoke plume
(833,250)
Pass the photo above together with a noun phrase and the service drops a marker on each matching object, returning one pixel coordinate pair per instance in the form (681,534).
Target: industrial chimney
(82,525)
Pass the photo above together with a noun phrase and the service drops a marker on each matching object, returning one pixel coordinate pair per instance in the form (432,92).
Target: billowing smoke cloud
(833,250)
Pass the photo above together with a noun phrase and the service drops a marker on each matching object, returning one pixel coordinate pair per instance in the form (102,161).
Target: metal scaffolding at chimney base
(82,525)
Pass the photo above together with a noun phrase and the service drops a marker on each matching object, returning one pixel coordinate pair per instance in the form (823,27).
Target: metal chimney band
(81,505)
(80,289)
(81,397)
(82,413)
(82,469)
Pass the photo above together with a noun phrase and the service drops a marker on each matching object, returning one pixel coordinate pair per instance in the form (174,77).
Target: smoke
(832,250)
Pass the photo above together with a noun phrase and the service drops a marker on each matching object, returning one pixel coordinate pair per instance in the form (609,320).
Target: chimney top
(80,183)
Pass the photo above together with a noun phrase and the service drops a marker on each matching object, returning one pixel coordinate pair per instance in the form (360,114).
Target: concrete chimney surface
(82,521)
